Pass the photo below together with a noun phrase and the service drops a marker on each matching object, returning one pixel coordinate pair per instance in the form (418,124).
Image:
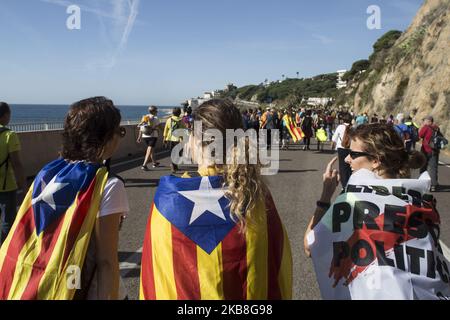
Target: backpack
(174,125)
(6,161)
(414,132)
(405,133)
(437,141)
(148,128)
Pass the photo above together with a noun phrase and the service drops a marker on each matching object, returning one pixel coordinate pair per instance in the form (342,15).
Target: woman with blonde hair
(216,234)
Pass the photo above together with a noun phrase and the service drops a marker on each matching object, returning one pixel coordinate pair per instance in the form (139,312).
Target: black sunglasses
(357,154)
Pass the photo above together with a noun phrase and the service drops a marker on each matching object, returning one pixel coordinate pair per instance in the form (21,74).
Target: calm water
(26,113)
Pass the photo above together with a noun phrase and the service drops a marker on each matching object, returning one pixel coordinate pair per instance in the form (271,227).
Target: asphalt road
(295,190)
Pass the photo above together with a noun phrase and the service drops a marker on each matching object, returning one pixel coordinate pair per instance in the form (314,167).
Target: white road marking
(445,164)
(131,264)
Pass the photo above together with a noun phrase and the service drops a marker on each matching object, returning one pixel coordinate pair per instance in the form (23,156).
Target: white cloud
(124,16)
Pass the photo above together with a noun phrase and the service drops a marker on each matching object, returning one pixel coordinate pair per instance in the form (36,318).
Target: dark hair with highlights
(383,142)
(88,127)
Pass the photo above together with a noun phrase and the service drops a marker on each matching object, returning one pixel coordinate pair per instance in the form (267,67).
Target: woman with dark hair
(380,218)
(63,244)
(307,128)
(216,234)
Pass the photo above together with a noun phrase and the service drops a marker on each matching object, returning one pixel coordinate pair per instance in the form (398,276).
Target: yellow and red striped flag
(194,250)
(52,231)
(295,132)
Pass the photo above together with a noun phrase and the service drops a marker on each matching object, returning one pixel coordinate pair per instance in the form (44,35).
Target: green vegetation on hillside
(291,89)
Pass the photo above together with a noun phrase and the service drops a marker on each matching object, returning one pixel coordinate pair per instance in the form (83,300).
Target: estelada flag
(49,239)
(194,250)
(295,132)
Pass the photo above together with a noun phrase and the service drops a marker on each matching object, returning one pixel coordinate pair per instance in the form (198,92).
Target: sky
(141,52)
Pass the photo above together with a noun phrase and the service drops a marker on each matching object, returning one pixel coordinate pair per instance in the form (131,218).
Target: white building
(341,83)
(318,101)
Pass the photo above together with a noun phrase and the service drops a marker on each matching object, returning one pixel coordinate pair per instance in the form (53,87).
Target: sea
(40,113)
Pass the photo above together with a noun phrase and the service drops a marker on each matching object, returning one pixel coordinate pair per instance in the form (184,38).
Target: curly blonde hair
(243,181)
(383,142)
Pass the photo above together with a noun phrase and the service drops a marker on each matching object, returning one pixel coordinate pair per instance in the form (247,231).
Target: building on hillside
(318,101)
(341,83)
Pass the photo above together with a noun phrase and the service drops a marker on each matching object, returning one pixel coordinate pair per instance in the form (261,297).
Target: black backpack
(438,141)
(6,161)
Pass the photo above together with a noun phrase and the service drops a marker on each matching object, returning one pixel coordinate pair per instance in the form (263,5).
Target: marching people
(149,133)
(77,207)
(216,233)
(12,177)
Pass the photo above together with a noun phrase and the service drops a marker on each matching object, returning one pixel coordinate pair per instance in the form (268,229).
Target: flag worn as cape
(47,244)
(295,132)
(380,241)
(193,250)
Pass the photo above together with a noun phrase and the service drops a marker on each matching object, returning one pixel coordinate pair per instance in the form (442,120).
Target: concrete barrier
(41,147)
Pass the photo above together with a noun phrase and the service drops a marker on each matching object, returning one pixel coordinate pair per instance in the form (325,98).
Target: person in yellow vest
(321,137)
(172,124)
(12,177)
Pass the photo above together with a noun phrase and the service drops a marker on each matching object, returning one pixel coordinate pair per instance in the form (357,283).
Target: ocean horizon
(54,113)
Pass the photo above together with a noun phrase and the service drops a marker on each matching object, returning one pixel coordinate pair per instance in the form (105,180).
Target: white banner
(379,241)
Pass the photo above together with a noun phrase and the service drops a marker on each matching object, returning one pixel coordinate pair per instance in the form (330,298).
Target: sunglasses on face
(357,154)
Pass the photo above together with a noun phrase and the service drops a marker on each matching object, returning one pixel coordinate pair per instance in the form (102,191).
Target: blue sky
(164,51)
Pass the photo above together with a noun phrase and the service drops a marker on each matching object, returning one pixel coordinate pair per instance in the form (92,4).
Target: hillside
(287,91)
(408,72)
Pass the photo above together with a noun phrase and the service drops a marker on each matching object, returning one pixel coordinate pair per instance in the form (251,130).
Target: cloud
(323,39)
(124,15)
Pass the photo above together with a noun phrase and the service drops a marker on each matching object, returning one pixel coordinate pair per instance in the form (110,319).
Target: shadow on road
(443,189)
(325,152)
(140,183)
(297,171)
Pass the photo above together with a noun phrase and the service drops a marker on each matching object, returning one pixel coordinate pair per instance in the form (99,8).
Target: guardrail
(50,126)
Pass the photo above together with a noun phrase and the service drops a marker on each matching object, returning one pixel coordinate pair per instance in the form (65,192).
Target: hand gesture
(330,181)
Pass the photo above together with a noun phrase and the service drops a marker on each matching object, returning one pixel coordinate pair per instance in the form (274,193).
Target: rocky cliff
(413,75)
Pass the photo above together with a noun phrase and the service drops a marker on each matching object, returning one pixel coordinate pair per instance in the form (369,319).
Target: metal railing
(50,126)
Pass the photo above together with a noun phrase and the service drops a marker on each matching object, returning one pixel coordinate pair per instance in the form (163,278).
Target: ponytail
(415,160)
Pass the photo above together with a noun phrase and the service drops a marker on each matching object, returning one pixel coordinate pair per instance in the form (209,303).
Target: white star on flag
(47,193)
(206,198)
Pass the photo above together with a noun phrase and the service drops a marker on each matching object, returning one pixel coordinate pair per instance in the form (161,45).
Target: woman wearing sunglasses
(379,150)
(64,242)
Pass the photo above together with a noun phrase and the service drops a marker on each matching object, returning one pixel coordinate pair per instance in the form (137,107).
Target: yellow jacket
(172,124)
